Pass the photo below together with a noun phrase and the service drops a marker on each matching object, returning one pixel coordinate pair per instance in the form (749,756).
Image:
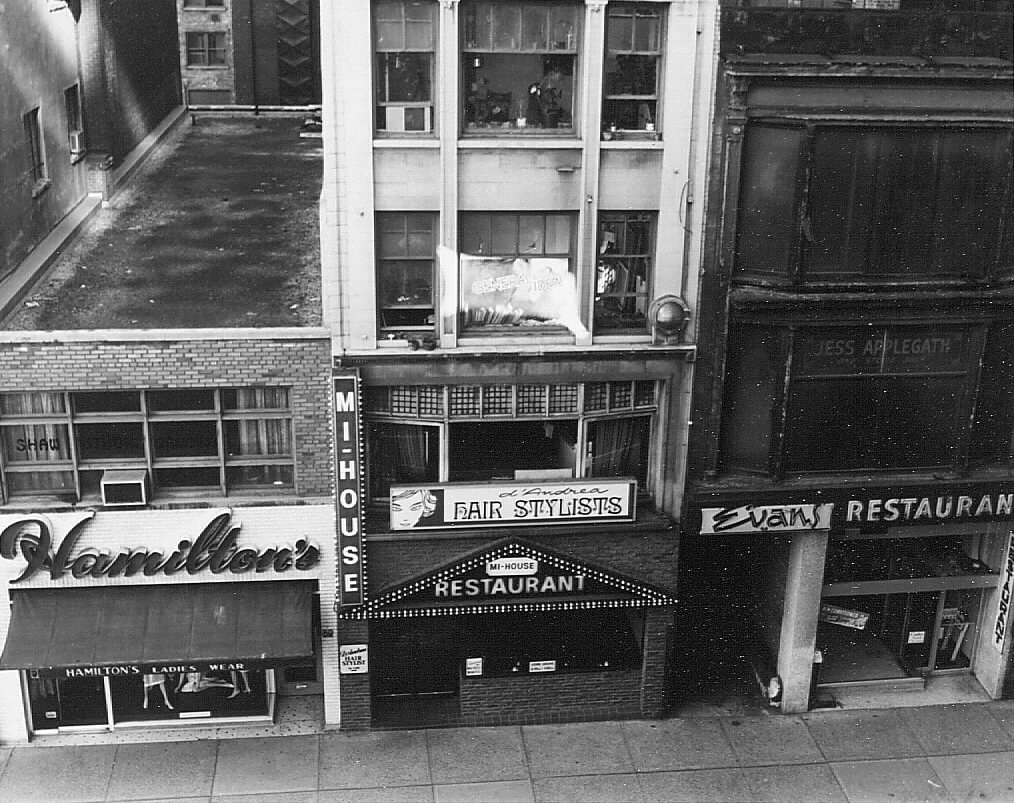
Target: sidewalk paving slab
(1003,712)
(173,769)
(494,754)
(71,774)
(855,735)
(951,729)
(374,760)
(898,780)
(286,764)
(622,788)
(987,776)
(800,783)
(493,792)
(391,794)
(583,748)
(771,740)
(5,755)
(696,786)
(678,744)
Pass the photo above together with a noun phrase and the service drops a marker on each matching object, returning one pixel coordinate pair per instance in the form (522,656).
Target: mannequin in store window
(157,679)
(191,682)
(236,674)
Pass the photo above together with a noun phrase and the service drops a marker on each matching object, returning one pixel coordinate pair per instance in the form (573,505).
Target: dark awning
(156,627)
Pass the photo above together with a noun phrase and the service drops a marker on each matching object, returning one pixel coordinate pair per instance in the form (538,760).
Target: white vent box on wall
(407,118)
(122,488)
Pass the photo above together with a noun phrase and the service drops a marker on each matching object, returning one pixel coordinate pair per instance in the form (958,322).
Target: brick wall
(299,363)
(355,689)
(656,660)
(536,699)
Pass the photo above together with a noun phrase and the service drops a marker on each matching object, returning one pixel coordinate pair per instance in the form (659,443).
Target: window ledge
(77,157)
(632,144)
(521,143)
(427,140)
(40,187)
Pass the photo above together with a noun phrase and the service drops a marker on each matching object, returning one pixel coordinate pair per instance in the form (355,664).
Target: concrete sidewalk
(931,753)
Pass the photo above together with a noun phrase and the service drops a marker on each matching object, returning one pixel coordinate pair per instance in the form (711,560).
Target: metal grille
(465,400)
(431,400)
(531,399)
(563,398)
(498,400)
(404,401)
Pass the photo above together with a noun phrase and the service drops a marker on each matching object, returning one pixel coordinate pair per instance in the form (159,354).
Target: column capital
(449,5)
(596,5)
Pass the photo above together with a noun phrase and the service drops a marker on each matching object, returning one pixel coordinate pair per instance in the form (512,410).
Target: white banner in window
(1006,592)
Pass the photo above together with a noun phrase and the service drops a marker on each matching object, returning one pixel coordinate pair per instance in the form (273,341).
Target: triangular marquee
(509,576)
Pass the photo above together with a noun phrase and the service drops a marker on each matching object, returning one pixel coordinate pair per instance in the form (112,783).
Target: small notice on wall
(473,667)
(917,637)
(353,659)
(542,666)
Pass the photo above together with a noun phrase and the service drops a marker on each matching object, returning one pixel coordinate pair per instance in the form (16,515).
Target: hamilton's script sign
(216,549)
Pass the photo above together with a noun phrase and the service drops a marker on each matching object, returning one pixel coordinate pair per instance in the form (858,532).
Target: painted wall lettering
(349,489)
(216,549)
(1006,590)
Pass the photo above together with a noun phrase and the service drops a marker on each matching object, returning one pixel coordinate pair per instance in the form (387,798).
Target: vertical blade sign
(349,489)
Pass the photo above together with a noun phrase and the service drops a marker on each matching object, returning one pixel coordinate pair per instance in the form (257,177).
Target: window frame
(203,4)
(625,218)
(391,331)
(428,106)
(787,377)
(590,403)
(652,129)
(798,268)
(474,55)
(205,44)
(218,413)
(35,145)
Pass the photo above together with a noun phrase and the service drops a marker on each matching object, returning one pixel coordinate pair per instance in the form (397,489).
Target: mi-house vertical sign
(349,489)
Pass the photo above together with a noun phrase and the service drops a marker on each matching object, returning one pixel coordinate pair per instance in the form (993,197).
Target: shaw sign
(765,518)
(215,549)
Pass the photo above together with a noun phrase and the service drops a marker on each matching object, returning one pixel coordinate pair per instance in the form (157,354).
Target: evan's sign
(765,518)
(588,501)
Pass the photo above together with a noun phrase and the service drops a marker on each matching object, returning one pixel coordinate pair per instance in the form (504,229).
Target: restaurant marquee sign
(588,501)
(215,549)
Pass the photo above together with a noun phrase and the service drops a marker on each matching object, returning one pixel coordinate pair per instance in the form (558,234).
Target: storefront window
(518,64)
(873,204)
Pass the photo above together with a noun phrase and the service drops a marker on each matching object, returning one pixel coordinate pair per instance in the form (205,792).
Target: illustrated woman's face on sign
(410,505)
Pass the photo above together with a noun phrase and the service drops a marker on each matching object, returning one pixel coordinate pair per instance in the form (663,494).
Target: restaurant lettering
(502,586)
(216,550)
(765,518)
(1004,603)
(349,490)
(928,508)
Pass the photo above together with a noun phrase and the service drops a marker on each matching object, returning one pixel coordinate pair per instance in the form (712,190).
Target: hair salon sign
(587,501)
(216,548)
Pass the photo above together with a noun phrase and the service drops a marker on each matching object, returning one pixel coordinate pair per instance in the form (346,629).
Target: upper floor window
(874,203)
(519,62)
(474,433)
(624,271)
(200,440)
(35,148)
(516,271)
(406,247)
(633,66)
(206,49)
(896,397)
(404,42)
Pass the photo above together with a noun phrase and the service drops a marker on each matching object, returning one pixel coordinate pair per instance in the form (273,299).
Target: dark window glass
(34,443)
(406,248)
(488,450)
(993,428)
(120,441)
(632,67)
(189,477)
(274,475)
(160,400)
(184,439)
(753,376)
(872,423)
(36,146)
(116,401)
(404,42)
(206,49)
(767,222)
(620,448)
(401,453)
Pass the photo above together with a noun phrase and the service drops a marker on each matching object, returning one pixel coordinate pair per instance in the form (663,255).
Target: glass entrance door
(82,702)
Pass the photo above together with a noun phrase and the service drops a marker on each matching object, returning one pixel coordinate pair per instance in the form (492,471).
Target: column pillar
(804,578)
